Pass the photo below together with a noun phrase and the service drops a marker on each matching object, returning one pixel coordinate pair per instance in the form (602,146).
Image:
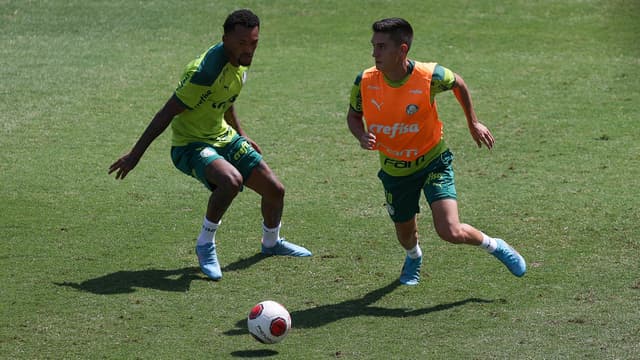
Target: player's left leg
(449,228)
(447,224)
(263,181)
(441,195)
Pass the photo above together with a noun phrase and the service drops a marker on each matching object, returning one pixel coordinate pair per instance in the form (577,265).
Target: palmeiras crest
(412,109)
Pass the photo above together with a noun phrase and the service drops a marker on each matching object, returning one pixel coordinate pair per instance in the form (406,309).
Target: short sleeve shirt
(209,86)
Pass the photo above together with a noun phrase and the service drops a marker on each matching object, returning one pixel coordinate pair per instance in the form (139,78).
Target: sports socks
(488,243)
(415,253)
(270,236)
(208,233)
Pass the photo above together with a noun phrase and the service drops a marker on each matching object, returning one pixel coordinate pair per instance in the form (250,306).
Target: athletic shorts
(192,159)
(402,193)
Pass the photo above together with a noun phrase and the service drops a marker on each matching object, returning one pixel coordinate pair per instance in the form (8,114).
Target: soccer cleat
(285,248)
(209,261)
(510,258)
(410,274)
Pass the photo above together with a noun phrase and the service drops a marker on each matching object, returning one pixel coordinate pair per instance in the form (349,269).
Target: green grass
(95,268)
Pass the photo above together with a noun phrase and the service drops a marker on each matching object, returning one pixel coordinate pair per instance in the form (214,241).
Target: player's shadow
(325,314)
(244,263)
(179,280)
(122,282)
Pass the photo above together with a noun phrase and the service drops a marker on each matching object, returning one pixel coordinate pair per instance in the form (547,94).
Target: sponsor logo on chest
(395,129)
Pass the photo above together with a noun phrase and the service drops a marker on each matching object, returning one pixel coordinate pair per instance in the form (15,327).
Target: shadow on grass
(254,353)
(122,282)
(244,263)
(325,314)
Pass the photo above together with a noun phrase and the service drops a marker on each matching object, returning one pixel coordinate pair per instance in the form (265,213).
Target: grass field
(95,268)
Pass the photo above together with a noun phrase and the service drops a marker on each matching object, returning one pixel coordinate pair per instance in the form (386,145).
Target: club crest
(412,109)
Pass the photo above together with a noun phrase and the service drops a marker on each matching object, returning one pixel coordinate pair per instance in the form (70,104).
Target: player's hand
(123,165)
(254,145)
(482,135)
(368,141)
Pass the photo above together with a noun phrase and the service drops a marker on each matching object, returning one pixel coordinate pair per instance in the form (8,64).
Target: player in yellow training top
(209,144)
(393,110)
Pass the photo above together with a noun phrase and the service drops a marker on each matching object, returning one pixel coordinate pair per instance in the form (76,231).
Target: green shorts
(192,159)
(402,193)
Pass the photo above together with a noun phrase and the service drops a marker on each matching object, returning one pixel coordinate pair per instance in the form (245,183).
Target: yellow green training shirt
(210,85)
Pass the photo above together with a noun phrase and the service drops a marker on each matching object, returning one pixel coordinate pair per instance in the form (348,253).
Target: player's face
(387,54)
(240,44)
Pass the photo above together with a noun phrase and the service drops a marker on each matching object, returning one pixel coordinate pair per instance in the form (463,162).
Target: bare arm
(479,132)
(158,124)
(356,126)
(231,118)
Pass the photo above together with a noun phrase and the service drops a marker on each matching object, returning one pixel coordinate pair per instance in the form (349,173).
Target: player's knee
(278,190)
(230,182)
(271,187)
(274,193)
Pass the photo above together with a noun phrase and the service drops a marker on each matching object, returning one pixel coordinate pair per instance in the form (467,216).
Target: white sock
(415,253)
(208,233)
(488,243)
(270,236)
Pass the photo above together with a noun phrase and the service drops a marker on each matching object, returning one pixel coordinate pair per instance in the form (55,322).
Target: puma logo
(379,106)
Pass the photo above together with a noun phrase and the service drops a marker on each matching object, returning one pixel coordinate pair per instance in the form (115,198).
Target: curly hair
(244,17)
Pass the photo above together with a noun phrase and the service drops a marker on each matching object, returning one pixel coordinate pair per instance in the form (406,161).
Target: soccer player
(209,144)
(393,110)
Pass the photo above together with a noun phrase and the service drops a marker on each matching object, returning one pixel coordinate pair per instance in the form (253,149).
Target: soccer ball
(269,322)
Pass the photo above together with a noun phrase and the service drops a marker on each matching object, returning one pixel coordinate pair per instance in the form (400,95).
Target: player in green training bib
(209,144)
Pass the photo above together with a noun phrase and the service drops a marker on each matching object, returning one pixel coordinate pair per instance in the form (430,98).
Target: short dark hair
(244,17)
(399,29)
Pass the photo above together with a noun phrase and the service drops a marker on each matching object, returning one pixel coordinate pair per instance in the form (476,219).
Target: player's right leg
(225,183)
(402,194)
(203,162)
(407,233)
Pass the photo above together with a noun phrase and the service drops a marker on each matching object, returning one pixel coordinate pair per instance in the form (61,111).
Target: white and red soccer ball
(269,322)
